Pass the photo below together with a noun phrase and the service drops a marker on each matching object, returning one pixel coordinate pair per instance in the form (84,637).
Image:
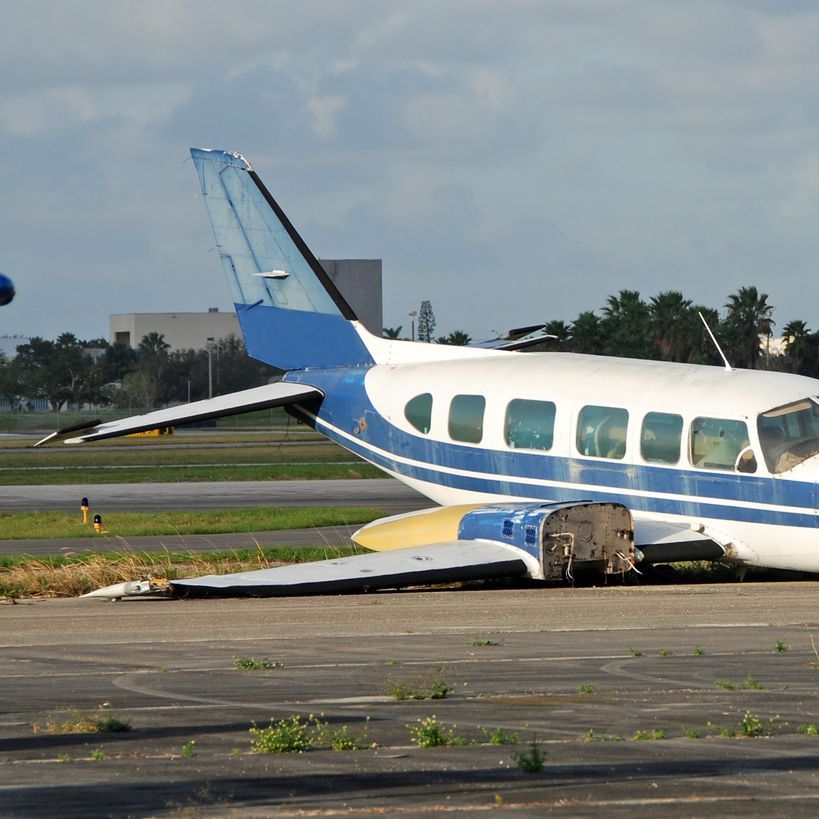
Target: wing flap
(271,395)
(662,542)
(436,563)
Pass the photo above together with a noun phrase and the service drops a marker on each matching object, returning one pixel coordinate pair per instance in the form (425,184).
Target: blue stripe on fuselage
(510,472)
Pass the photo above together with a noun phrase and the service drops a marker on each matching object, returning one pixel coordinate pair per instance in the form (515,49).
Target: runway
(596,676)
(385,493)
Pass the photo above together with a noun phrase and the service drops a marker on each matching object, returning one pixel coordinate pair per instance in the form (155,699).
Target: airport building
(359,281)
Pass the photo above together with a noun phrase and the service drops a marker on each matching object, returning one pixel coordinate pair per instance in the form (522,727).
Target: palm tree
(749,317)
(625,326)
(392,332)
(457,338)
(586,334)
(669,323)
(797,343)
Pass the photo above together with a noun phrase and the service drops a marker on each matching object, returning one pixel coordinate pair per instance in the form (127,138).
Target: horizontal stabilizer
(438,563)
(271,395)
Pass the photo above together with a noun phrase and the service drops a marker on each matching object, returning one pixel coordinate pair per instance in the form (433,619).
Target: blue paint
(512,472)
(290,320)
(6,289)
(281,337)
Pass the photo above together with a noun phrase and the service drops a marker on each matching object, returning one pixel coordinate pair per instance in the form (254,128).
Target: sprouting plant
(339,739)
(252,664)
(722,730)
(698,651)
(97,754)
(750,684)
(497,736)
(104,721)
(434,687)
(655,733)
(586,688)
(429,733)
(809,728)
(726,684)
(283,737)
(635,652)
(752,726)
(780,646)
(531,761)
(595,736)
(187,749)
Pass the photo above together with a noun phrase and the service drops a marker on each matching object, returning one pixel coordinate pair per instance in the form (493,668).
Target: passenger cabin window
(661,437)
(721,443)
(466,418)
(601,432)
(789,434)
(529,424)
(419,412)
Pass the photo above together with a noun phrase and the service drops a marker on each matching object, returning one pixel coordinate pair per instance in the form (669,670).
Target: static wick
(716,343)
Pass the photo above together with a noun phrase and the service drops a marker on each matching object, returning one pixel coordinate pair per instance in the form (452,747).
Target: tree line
(70,372)
(668,327)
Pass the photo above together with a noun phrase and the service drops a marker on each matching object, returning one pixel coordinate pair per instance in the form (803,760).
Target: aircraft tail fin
(291,313)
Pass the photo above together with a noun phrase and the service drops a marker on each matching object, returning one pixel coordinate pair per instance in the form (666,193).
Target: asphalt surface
(585,671)
(387,493)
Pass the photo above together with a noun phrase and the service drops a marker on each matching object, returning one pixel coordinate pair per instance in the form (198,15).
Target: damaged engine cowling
(563,537)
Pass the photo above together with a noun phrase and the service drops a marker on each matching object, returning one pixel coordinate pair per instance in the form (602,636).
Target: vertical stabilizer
(292,315)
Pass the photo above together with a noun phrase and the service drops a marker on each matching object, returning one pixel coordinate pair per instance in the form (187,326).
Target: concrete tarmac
(681,700)
(386,493)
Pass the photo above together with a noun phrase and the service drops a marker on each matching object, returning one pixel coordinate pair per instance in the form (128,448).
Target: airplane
(6,289)
(543,464)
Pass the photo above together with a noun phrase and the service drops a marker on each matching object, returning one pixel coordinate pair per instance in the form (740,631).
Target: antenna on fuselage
(716,343)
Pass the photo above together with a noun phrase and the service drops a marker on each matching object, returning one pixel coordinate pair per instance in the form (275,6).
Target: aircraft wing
(278,394)
(662,542)
(437,563)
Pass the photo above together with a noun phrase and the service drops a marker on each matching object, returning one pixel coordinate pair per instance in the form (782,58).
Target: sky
(510,162)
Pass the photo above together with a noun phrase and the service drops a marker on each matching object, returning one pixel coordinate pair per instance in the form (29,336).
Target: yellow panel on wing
(438,525)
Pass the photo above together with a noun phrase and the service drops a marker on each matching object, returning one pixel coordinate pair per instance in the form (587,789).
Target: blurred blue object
(6,289)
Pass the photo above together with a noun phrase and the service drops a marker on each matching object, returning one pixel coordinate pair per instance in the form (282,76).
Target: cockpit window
(721,443)
(789,434)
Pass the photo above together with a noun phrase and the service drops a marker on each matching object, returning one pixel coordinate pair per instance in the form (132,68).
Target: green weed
(594,736)
(104,721)
(429,733)
(750,684)
(752,726)
(531,761)
(483,643)
(665,652)
(698,651)
(809,728)
(692,733)
(726,684)
(655,733)
(286,736)
(635,652)
(586,688)
(340,739)
(97,754)
(252,664)
(434,687)
(780,646)
(497,736)
(187,749)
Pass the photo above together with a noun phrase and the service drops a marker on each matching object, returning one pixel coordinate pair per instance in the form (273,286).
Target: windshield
(789,434)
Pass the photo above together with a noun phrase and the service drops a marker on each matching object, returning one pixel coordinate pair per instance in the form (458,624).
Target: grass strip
(73,575)
(187,474)
(60,524)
